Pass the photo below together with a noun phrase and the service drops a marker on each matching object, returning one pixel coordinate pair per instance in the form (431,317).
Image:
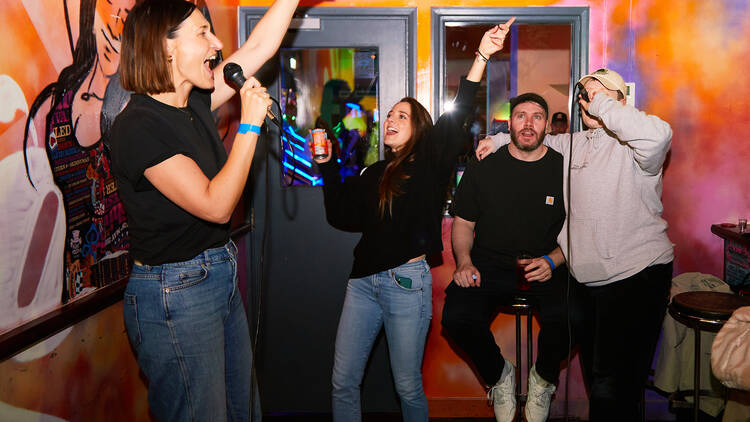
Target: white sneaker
(538,398)
(502,395)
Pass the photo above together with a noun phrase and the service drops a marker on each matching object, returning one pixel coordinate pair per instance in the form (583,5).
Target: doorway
(546,52)
(337,69)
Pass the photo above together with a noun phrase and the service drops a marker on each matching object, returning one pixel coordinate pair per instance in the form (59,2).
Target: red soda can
(319,144)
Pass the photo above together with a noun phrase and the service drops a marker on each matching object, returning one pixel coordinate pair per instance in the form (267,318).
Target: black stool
(707,311)
(521,306)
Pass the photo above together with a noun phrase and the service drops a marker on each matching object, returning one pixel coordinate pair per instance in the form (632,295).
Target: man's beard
(527,148)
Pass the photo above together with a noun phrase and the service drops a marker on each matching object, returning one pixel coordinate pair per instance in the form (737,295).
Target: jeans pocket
(130,313)
(189,276)
(412,277)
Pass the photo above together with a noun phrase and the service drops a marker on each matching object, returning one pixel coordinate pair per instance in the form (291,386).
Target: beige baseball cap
(609,78)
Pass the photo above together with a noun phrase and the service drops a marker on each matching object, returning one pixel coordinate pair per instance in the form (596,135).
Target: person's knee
(448,320)
(342,384)
(409,387)
(343,380)
(455,328)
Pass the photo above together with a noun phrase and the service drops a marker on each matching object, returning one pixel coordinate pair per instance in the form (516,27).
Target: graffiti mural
(75,128)
(65,227)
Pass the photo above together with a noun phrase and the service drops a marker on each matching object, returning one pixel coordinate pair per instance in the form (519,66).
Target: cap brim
(601,78)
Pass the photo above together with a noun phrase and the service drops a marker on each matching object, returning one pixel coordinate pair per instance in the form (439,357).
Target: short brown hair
(144,67)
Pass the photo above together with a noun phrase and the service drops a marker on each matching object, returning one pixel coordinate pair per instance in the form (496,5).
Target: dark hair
(393,176)
(526,98)
(144,66)
(84,57)
(559,117)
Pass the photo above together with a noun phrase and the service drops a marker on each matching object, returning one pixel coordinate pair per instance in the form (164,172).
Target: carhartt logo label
(550,200)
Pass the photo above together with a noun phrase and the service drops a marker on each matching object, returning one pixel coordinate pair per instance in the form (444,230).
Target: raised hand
(494,38)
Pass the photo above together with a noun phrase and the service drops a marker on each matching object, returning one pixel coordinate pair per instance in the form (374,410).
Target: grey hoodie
(616,227)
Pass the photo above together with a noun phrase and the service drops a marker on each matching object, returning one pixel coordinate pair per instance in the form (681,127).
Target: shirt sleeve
(466,199)
(447,138)
(142,142)
(344,200)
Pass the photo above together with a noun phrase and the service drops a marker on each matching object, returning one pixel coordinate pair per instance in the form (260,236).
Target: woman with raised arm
(397,205)
(183,311)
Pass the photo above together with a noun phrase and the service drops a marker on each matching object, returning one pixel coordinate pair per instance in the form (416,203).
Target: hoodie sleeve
(648,136)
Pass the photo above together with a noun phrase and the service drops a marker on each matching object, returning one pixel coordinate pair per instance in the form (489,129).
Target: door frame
(305,17)
(299,271)
(577,17)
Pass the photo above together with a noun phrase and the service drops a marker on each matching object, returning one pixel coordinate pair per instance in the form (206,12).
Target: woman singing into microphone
(183,312)
(396,204)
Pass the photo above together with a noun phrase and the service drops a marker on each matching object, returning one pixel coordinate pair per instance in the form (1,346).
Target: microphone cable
(266,225)
(263,246)
(567,255)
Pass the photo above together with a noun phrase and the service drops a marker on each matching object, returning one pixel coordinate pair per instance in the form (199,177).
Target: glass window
(334,89)
(535,58)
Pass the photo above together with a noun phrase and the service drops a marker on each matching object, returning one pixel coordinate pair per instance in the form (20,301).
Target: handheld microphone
(233,74)
(584,94)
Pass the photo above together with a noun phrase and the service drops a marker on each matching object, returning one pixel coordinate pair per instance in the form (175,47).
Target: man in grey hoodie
(619,249)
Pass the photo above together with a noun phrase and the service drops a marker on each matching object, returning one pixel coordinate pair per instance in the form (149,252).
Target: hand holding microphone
(255,102)
(234,76)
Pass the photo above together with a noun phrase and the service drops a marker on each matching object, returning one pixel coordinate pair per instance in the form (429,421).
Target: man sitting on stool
(511,202)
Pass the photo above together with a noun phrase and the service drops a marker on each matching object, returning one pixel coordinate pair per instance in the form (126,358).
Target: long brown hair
(394,175)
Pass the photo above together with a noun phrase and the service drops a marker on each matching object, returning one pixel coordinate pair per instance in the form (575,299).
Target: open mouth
(208,64)
(212,61)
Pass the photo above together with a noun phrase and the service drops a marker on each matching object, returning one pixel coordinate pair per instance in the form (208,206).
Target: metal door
(299,263)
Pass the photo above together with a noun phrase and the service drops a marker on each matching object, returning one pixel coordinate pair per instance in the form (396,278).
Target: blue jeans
(189,330)
(372,302)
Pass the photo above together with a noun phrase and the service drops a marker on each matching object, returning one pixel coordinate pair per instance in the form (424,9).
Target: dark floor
(375,417)
(680,416)
(658,409)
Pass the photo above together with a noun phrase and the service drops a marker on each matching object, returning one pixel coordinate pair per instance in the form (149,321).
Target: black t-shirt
(414,227)
(144,134)
(517,206)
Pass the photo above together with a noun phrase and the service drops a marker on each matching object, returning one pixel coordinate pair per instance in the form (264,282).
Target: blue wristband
(244,128)
(551,263)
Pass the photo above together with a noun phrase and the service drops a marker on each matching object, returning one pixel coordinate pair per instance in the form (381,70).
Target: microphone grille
(231,69)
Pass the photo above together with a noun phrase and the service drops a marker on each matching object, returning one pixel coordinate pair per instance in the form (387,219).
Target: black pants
(622,326)
(468,312)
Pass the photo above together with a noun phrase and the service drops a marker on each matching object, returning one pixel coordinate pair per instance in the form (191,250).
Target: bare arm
(181,180)
(260,46)
(492,42)
(462,239)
